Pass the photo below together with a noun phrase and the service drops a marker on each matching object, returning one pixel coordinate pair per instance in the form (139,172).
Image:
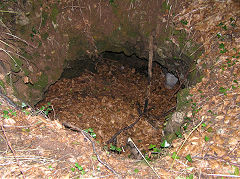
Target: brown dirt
(106,102)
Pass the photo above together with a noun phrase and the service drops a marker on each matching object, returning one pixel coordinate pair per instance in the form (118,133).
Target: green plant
(189,158)
(222,47)
(232,22)
(178,134)
(204,124)
(50,167)
(154,149)
(195,110)
(46,108)
(146,156)
(80,115)
(184,22)
(236,170)
(136,170)
(206,138)
(112,3)
(115,149)
(174,156)
(90,131)
(24,106)
(6,113)
(79,168)
(190,176)
(223,90)
(165,144)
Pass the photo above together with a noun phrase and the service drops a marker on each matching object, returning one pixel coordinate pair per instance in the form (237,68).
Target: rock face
(54,33)
(171,81)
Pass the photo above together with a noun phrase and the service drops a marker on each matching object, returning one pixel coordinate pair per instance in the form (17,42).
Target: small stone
(72,159)
(227,120)
(178,117)
(171,81)
(233,141)
(220,131)
(219,118)
(9,121)
(189,114)
(22,19)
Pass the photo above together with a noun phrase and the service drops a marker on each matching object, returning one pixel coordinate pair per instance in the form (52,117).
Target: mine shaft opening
(107,98)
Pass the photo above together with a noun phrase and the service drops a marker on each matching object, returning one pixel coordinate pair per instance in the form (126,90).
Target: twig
(40,25)
(150,59)
(168,18)
(219,158)
(8,100)
(93,146)
(130,140)
(20,40)
(123,129)
(222,175)
(11,57)
(7,44)
(14,154)
(185,141)
(11,12)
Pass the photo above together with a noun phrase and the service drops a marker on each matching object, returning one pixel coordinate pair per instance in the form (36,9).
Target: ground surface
(43,148)
(108,101)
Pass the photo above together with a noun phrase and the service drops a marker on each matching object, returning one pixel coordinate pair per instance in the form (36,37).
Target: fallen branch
(93,146)
(180,148)
(12,150)
(123,129)
(130,140)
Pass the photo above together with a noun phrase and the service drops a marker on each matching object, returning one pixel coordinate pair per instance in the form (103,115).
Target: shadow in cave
(107,97)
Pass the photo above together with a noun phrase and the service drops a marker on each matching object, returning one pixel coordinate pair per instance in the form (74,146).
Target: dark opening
(107,97)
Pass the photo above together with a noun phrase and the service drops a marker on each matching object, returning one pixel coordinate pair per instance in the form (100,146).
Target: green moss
(41,83)
(170,137)
(44,18)
(16,64)
(54,13)
(7,79)
(182,101)
(181,36)
(26,71)
(44,36)
(2,84)
(26,55)
(165,6)
(195,77)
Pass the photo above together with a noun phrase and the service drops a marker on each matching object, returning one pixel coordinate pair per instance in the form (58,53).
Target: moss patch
(182,101)
(16,64)
(41,83)
(2,84)
(54,13)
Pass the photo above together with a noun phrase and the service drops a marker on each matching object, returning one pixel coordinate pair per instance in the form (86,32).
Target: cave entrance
(105,96)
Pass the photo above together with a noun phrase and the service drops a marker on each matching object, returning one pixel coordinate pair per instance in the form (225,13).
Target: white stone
(178,117)
(171,81)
